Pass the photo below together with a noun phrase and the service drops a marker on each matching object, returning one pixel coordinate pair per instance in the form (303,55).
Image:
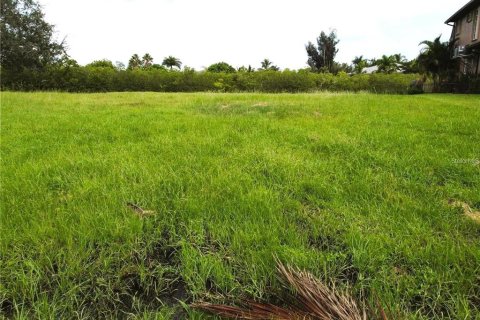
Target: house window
(475,25)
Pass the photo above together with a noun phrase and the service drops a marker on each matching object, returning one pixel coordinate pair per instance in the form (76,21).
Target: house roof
(370,70)
(463,11)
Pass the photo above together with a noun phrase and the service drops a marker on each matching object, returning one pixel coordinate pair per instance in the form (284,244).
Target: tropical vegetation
(266,64)
(321,57)
(435,61)
(171,62)
(32,59)
(221,67)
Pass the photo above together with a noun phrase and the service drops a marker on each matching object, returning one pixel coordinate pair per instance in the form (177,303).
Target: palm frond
(311,300)
(251,310)
(318,299)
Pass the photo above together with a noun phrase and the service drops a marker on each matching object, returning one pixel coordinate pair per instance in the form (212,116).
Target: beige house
(465,37)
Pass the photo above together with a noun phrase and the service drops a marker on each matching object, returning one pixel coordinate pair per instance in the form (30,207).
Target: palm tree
(147,60)
(435,61)
(399,58)
(387,64)
(410,66)
(358,64)
(358,60)
(171,62)
(268,65)
(134,62)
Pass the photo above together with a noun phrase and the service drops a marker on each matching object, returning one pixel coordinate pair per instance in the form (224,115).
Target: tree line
(321,59)
(30,53)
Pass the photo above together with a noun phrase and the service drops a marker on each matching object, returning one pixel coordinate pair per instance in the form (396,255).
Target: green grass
(351,187)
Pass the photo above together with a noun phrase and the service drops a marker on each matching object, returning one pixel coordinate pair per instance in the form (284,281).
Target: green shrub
(221,67)
(105,79)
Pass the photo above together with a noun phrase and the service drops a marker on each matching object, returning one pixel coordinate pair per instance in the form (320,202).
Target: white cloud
(244,32)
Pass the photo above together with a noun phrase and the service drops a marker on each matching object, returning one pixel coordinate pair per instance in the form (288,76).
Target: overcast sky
(244,32)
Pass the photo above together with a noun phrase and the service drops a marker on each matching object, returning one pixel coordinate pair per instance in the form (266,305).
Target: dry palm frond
(251,310)
(311,300)
(318,299)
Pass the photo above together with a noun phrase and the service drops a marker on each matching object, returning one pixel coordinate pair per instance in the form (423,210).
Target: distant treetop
(221,67)
(27,40)
(171,62)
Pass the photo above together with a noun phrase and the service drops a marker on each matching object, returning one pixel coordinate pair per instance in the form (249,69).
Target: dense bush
(105,78)
(221,67)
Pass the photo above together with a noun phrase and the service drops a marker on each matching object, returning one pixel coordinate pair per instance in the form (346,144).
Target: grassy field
(351,187)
